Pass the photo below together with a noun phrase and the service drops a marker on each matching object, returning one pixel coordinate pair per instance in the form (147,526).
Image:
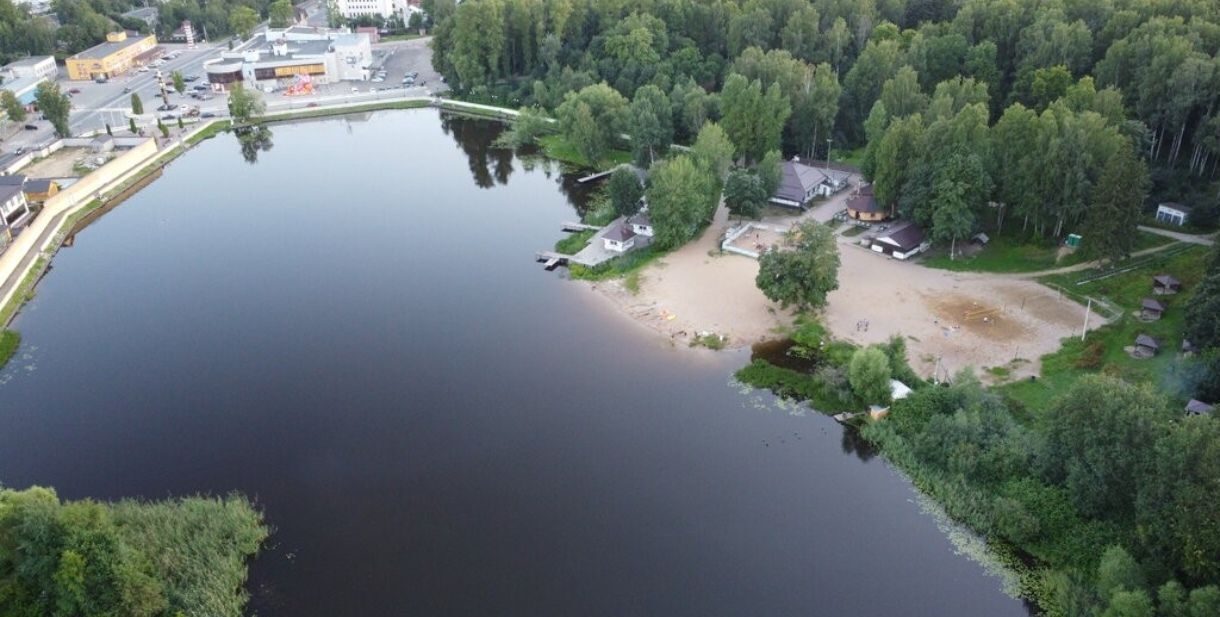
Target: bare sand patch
(60,164)
(953,319)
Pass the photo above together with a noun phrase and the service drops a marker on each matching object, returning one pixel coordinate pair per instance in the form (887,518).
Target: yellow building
(114,57)
(863,206)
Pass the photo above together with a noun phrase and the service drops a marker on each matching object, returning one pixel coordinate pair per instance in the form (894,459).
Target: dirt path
(1205,240)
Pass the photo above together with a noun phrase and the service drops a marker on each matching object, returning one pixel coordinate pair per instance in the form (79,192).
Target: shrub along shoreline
(1099,495)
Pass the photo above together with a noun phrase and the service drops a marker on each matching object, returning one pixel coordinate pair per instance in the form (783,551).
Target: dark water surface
(354,332)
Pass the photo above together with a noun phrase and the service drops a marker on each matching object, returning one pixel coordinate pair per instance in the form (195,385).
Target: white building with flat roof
(299,59)
(355,8)
(22,77)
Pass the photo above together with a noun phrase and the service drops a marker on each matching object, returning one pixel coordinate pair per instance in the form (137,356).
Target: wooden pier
(551,259)
(573,227)
(597,176)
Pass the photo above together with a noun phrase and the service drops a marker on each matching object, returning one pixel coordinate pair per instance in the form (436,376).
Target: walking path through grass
(1205,240)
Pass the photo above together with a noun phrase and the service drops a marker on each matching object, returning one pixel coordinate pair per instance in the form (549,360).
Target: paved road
(96,105)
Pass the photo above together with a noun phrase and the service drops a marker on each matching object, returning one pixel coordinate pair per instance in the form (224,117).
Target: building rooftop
(12,180)
(864,201)
(906,237)
(620,233)
(1166,280)
(41,185)
(1144,340)
(797,179)
(101,50)
(1176,206)
(1198,407)
(640,218)
(24,62)
(1152,305)
(7,191)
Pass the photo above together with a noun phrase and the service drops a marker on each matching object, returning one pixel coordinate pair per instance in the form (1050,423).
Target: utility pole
(161,85)
(829,141)
(1087,310)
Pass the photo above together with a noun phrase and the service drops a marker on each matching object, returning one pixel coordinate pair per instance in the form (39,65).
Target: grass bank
(1008,253)
(574,242)
(1102,351)
(618,266)
(10,340)
(557,147)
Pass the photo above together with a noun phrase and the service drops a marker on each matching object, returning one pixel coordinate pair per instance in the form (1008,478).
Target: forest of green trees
(1004,111)
(1035,117)
(84,23)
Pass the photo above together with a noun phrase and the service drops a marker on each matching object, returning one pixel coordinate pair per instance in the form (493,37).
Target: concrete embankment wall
(41,235)
(87,187)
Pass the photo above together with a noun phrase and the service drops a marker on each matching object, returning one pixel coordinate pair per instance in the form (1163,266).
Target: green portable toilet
(1073,240)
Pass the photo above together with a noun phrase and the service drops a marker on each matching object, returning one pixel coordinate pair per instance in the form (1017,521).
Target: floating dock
(597,176)
(580,227)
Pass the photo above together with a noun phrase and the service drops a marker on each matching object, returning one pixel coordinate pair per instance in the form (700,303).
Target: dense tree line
(1053,88)
(1107,466)
(85,558)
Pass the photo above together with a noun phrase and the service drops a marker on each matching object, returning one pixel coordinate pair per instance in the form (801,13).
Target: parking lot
(97,104)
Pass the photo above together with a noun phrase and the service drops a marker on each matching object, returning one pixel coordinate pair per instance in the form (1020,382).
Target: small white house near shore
(641,224)
(1173,213)
(620,238)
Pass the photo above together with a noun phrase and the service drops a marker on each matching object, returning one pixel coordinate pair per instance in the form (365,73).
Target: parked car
(126,89)
(191,77)
(207,114)
(31,127)
(169,116)
(73,90)
(200,86)
(144,69)
(312,105)
(100,80)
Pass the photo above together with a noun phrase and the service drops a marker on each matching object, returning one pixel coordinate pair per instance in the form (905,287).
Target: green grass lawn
(854,231)
(1007,253)
(848,157)
(1102,349)
(573,243)
(558,148)
(10,340)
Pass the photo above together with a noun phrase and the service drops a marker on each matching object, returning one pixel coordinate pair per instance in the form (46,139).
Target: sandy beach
(950,320)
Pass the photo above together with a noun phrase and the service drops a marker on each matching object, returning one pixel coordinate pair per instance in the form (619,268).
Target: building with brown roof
(863,206)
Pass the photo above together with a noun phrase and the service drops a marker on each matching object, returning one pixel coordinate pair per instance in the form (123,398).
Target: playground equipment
(302,84)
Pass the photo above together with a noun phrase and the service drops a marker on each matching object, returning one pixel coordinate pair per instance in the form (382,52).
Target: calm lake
(354,332)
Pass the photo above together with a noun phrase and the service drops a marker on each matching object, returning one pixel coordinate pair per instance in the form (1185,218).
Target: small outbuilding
(1145,346)
(1172,213)
(1165,285)
(641,224)
(980,239)
(1151,310)
(103,143)
(619,239)
(1188,348)
(1199,408)
(38,191)
(863,206)
(901,241)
